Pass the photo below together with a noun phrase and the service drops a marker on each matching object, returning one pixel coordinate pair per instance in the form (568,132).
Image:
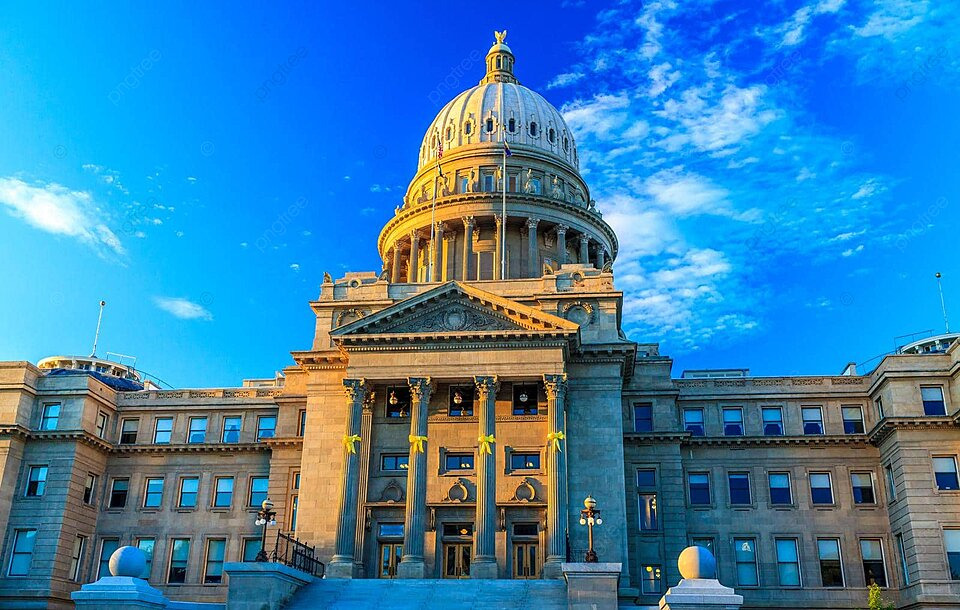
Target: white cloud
(599,116)
(183,308)
(295,267)
(662,77)
(567,78)
(848,235)
(868,189)
(58,210)
(892,18)
(244,244)
(851,251)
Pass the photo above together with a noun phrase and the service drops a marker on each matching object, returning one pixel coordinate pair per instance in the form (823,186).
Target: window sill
(783,506)
(525,472)
(459,473)
(186,509)
(220,509)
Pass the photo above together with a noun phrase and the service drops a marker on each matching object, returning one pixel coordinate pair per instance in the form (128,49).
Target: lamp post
(265,516)
(590,516)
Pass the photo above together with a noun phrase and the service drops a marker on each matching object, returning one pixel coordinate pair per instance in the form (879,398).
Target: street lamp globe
(589,502)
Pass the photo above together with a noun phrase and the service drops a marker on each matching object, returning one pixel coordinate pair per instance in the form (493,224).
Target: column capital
(532,222)
(555,385)
(498,219)
(415,235)
(356,389)
(469,222)
(486,384)
(561,228)
(441,226)
(584,238)
(420,388)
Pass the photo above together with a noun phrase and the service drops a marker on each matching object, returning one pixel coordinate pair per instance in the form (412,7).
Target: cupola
(499,62)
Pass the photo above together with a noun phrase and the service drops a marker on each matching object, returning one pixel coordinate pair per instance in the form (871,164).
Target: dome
(530,122)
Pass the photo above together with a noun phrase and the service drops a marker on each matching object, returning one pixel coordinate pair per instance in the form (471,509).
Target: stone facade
(452,413)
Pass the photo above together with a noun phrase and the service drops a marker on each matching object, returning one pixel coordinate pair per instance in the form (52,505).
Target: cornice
(440,342)
(888,425)
(193,448)
(758,441)
(320,360)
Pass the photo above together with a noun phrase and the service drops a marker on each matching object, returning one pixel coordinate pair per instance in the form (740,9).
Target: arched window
(489,125)
(449,133)
(551,135)
(566,144)
(433,142)
(512,125)
(499,62)
(468,128)
(533,129)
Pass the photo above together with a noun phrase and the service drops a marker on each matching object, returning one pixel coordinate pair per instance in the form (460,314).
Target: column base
(483,568)
(342,568)
(552,568)
(700,594)
(592,586)
(411,569)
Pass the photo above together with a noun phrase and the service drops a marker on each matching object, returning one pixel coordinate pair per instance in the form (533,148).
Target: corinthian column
(468,225)
(499,242)
(533,248)
(438,252)
(584,249)
(562,244)
(601,257)
(414,528)
(342,565)
(414,255)
(556,386)
(395,270)
(484,563)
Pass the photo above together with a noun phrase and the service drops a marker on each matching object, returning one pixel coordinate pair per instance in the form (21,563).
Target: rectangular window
(891,483)
(863,488)
(874,570)
(266,426)
(488,181)
(647,478)
(251,547)
(643,418)
(951,542)
(772,421)
(879,404)
(733,421)
(398,401)
(831,568)
(463,184)
(22,555)
(258,491)
(302,425)
(213,570)
(146,545)
(231,429)
(76,558)
(102,424)
(821,490)
(706,543)
(118,493)
(904,567)
(107,548)
(524,461)
(745,550)
(179,554)
(36,482)
(739,484)
(153,493)
(90,489)
(699,484)
(461,401)
(458,461)
(50,416)
(933,400)
(128,431)
(394,462)
(294,502)
(812,420)
(223,492)
(780,488)
(648,512)
(788,562)
(852,420)
(189,486)
(162,430)
(693,421)
(525,399)
(652,577)
(945,472)
(198,430)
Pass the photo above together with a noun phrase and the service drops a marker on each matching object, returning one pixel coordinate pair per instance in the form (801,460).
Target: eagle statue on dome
(500,36)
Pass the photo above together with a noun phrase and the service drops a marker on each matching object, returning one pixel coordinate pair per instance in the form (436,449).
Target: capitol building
(454,409)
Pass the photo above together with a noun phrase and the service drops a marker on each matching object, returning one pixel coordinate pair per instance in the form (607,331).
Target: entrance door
(390,554)
(456,560)
(526,562)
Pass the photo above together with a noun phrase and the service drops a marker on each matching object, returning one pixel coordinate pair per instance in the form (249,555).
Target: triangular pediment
(455,309)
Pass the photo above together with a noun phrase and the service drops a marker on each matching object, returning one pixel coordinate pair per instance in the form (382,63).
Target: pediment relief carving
(450,317)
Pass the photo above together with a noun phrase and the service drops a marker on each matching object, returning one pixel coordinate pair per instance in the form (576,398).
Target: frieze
(204,394)
(457,318)
(848,381)
(171,394)
(807,381)
(729,383)
(239,393)
(768,382)
(272,392)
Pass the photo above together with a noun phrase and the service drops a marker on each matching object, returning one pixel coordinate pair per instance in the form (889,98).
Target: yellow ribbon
(417,442)
(349,440)
(555,438)
(485,442)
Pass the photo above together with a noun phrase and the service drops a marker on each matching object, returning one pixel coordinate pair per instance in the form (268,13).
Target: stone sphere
(697,562)
(128,561)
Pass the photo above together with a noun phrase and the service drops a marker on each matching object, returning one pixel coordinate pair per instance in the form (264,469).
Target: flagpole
(433,215)
(503,177)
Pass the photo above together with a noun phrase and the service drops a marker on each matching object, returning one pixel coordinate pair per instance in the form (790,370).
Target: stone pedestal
(700,594)
(591,586)
(261,585)
(118,593)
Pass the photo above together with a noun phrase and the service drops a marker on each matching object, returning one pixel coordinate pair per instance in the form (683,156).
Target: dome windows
(490,125)
(512,125)
(566,143)
(468,127)
(551,135)
(449,133)
(533,129)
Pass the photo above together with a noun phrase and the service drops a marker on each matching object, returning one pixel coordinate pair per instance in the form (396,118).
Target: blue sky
(783,181)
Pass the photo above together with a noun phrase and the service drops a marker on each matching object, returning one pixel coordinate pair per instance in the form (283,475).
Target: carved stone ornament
(392,493)
(453,318)
(457,492)
(345,316)
(580,312)
(525,492)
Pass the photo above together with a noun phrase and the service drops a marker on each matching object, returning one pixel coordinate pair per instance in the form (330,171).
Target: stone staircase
(398,594)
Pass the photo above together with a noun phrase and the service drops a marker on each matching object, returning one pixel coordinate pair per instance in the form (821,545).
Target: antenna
(96,337)
(946,322)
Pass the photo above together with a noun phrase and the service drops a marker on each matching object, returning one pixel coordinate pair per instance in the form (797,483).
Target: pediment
(455,309)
